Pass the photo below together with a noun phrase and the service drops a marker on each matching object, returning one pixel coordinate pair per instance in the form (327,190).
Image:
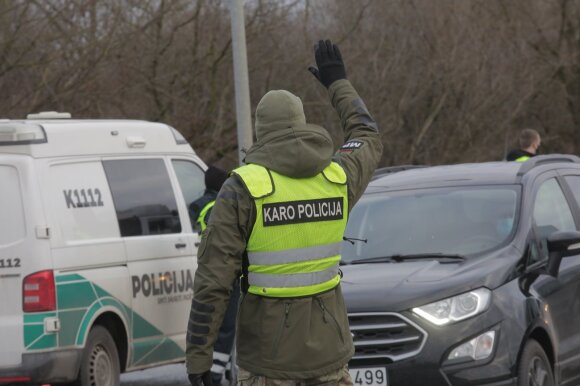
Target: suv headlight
(455,308)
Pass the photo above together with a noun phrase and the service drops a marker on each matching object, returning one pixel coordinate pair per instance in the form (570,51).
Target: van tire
(100,360)
(534,367)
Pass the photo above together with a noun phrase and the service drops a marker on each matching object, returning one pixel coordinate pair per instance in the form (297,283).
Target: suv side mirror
(560,245)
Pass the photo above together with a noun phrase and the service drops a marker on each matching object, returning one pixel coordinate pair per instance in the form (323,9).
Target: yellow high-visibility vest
(523,158)
(294,247)
(201,217)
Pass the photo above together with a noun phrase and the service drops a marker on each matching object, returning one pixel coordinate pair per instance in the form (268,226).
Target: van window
(551,213)
(143,197)
(12,226)
(191,180)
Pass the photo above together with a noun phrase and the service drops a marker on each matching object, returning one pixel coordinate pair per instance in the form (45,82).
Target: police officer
(200,211)
(529,141)
(279,221)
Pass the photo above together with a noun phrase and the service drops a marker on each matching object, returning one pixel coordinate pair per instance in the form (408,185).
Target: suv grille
(385,335)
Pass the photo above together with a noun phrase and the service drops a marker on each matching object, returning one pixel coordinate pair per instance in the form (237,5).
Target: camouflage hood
(285,142)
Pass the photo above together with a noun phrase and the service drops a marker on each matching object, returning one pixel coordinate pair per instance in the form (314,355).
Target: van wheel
(100,361)
(534,368)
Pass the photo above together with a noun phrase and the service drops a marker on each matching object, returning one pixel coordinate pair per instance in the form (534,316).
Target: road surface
(168,375)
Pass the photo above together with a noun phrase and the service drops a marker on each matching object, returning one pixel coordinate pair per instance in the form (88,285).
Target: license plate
(369,376)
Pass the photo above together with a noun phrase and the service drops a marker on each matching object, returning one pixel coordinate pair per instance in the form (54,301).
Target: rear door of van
(22,252)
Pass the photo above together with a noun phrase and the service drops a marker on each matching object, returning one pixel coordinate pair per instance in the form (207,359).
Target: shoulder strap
(335,173)
(257,179)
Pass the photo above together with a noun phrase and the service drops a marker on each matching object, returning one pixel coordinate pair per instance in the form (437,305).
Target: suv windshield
(450,221)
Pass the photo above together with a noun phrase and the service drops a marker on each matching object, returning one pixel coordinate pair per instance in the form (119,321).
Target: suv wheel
(534,368)
(100,360)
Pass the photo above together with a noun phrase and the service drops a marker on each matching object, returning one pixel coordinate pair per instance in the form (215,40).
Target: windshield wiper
(353,239)
(401,257)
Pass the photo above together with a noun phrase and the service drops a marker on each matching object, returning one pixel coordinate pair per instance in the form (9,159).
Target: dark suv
(467,275)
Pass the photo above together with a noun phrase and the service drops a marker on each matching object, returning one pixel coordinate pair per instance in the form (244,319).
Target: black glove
(200,379)
(329,62)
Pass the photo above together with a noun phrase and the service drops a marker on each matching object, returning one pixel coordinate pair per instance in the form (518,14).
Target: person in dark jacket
(200,211)
(529,141)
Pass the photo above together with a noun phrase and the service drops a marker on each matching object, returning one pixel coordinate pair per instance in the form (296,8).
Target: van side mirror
(560,245)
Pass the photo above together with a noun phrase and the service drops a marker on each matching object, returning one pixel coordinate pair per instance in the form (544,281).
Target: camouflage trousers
(339,377)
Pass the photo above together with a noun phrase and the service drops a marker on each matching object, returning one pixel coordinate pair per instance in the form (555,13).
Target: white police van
(97,253)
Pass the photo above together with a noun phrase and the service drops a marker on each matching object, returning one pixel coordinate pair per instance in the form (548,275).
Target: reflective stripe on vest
(294,247)
(201,217)
(523,158)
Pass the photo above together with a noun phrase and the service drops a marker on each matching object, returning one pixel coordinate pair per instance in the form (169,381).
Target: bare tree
(448,81)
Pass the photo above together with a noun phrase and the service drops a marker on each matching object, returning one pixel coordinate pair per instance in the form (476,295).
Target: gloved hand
(329,62)
(200,379)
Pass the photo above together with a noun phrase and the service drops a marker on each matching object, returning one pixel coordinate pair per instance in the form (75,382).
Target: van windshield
(450,221)
(11,210)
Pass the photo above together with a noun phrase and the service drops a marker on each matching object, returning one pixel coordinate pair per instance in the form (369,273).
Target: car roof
(485,173)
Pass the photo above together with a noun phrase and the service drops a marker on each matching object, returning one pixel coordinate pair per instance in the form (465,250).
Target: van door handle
(180,245)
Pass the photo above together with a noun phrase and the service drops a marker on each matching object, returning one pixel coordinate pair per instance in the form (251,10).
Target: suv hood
(395,287)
